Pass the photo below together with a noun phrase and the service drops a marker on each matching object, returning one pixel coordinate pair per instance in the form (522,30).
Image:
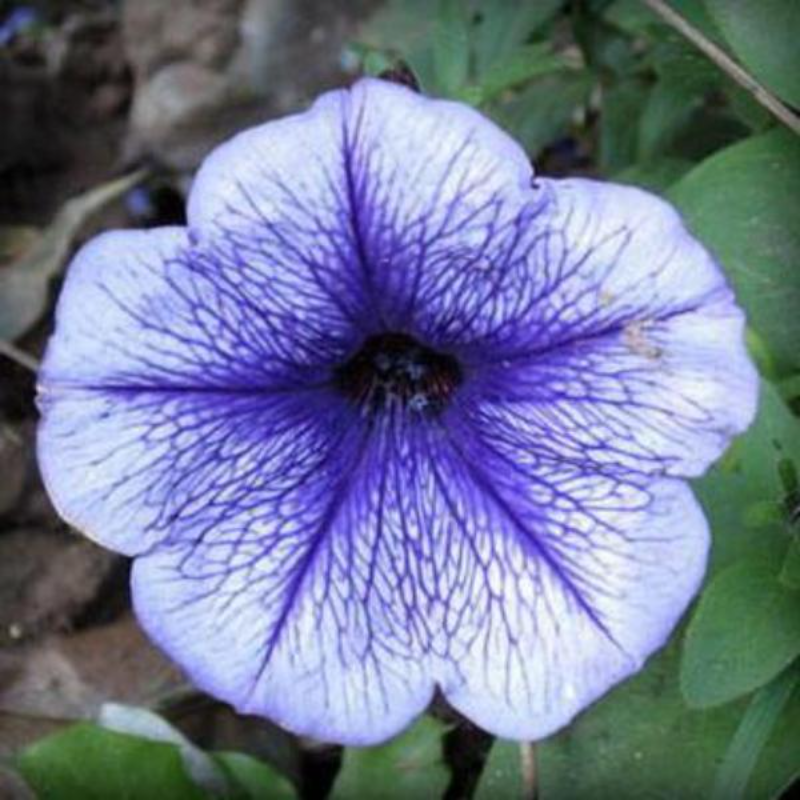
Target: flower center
(394,368)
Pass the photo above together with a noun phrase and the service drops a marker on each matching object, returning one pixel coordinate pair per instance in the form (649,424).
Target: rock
(86,58)
(69,676)
(158,33)
(194,81)
(181,109)
(207,68)
(47,581)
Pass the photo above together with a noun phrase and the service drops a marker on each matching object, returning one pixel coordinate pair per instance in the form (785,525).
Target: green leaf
(685,79)
(87,762)
(409,766)
(673,58)
(642,743)
(745,108)
(790,571)
(657,175)
(631,16)
(634,17)
(451,46)
(372,60)
(506,24)
(254,780)
(403,28)
(517,67)
(744,203)
(764,37)
(146,724)
(752,734)
(668,109)
(24,282)
(696,13)
(502,773)
(748,477)
(622,107)
(543,111)
(746,630)
(605,49)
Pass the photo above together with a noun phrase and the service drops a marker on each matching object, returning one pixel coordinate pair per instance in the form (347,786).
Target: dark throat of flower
(394,370)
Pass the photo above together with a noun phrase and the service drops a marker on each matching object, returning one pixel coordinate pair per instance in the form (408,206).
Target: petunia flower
(391,416)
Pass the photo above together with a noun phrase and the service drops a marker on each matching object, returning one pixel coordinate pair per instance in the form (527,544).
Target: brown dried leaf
(24,283)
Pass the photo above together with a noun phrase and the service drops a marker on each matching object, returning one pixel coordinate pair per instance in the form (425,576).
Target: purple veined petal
(523,593)
(577,578)
(394,204)
(147,309)
(318,627)
(559,637)
(634,356)
(135,467)
(155,361)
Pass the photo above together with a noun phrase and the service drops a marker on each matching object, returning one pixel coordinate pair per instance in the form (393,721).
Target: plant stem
(760,93)
(528,766)
(18,356)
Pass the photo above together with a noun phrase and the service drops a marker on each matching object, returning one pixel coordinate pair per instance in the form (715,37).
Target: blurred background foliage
(604,88)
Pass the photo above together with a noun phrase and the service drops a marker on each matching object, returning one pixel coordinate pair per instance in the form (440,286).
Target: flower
(389,415)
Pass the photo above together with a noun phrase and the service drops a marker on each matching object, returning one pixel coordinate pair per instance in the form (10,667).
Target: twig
(529,777)
(18,356)
(760,93)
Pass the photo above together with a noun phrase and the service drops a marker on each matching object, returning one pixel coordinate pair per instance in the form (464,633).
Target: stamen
(396,368)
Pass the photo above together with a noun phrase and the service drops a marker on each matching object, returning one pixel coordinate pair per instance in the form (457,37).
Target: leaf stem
(18,356)
(760,93)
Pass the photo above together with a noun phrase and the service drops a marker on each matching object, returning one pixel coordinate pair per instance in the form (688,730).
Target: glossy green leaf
(764,38)
(746,630)
(141,722)
(87,762)
(744,203)
(408,766)
(251,779)
(752,734)
(642,743)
